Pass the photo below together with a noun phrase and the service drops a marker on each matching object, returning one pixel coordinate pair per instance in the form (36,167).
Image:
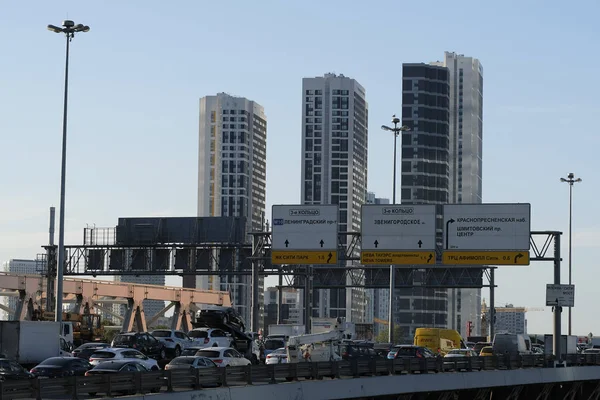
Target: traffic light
(469,328)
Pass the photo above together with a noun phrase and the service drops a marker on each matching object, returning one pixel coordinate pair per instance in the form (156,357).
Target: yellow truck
(438,340)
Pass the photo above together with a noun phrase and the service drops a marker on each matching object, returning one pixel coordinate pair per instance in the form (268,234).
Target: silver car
(174,341)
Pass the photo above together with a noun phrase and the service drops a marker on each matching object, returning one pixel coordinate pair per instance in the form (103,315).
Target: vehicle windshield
(182,360)
(198,334)
(487,350)
(123,339)
(273,344)
(92,346)
(279,351)
(209,353)
(103,354)
(190,351)
(404,351)
(459,352)
(5,365)
(161,333)
(110,365)
(56,361)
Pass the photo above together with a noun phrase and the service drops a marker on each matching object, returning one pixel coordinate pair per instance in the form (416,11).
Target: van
(438,340)
(511,343)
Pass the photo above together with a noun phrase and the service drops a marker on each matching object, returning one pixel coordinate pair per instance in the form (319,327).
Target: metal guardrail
(143,382)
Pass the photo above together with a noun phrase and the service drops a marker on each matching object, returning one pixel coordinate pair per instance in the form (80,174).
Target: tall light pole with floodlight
(571,181)
(69,29)
(396,130)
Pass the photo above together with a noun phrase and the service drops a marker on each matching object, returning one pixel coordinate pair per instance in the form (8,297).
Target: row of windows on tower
(438,196)
(435,114)
(425,71)
(431,155)
(414,85)
(425,139)
(409,167)
(426,99)
(231,166)
(234,119)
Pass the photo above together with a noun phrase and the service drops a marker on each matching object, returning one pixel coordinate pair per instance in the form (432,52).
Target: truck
(320,325)
(87,327)
(316,347)
(31,342)
(286,330)
(439,340)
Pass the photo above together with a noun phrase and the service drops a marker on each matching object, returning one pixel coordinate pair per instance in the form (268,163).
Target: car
(126,354)
(142,341)
(278,356)
(461,353)
(116,367)
(409,351)
(457,358)
(86,350)
(210,337)
(480,345)
(357,351)
(174,341)
(591,351)
(190,362)
(222,316)
(58,367)
(191,350)
(272,344)
(11,370)
(486,351)
(224,356)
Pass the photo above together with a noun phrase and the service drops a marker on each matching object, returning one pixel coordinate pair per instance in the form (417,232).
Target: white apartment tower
(465,184)
(232,165)
(334,169)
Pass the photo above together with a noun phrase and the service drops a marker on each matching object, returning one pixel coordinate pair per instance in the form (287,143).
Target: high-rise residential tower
(232,177)
(424,178)
(441,163)
(466,144)
(334,169)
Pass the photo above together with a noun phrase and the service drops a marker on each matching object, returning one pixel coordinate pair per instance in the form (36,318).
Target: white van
(513,344)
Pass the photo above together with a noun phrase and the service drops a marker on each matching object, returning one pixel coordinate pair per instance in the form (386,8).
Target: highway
(183,380)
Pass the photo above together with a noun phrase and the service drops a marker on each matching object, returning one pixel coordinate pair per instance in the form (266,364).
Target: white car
(112,354)
(174,341)
(223,356)
(210,337)
(278,356)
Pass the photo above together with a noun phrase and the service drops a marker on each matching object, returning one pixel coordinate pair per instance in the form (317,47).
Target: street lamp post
(396,130)
(571,181)
(69,29)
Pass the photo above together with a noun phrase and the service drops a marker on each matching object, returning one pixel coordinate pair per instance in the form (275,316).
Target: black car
(410,351)
(10,370)
(86,350)
(141,341)
(121,366)
(222,316)
(56,367)
(357,350)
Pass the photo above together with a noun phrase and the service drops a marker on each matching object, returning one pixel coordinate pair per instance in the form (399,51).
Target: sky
(137,76)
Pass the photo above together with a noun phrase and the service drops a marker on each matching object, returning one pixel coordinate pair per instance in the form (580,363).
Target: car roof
(117,349)
(204,328)
(116,362)
(217,348)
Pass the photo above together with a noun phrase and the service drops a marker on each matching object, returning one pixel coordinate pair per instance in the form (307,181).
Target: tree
(383,336)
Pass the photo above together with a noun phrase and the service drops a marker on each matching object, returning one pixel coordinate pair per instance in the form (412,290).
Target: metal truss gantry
(95,295)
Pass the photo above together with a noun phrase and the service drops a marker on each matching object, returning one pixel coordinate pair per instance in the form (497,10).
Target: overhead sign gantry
(397,234)
(304,234)
(486,234)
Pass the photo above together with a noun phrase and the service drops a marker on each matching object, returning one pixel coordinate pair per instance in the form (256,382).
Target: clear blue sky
(138,74)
